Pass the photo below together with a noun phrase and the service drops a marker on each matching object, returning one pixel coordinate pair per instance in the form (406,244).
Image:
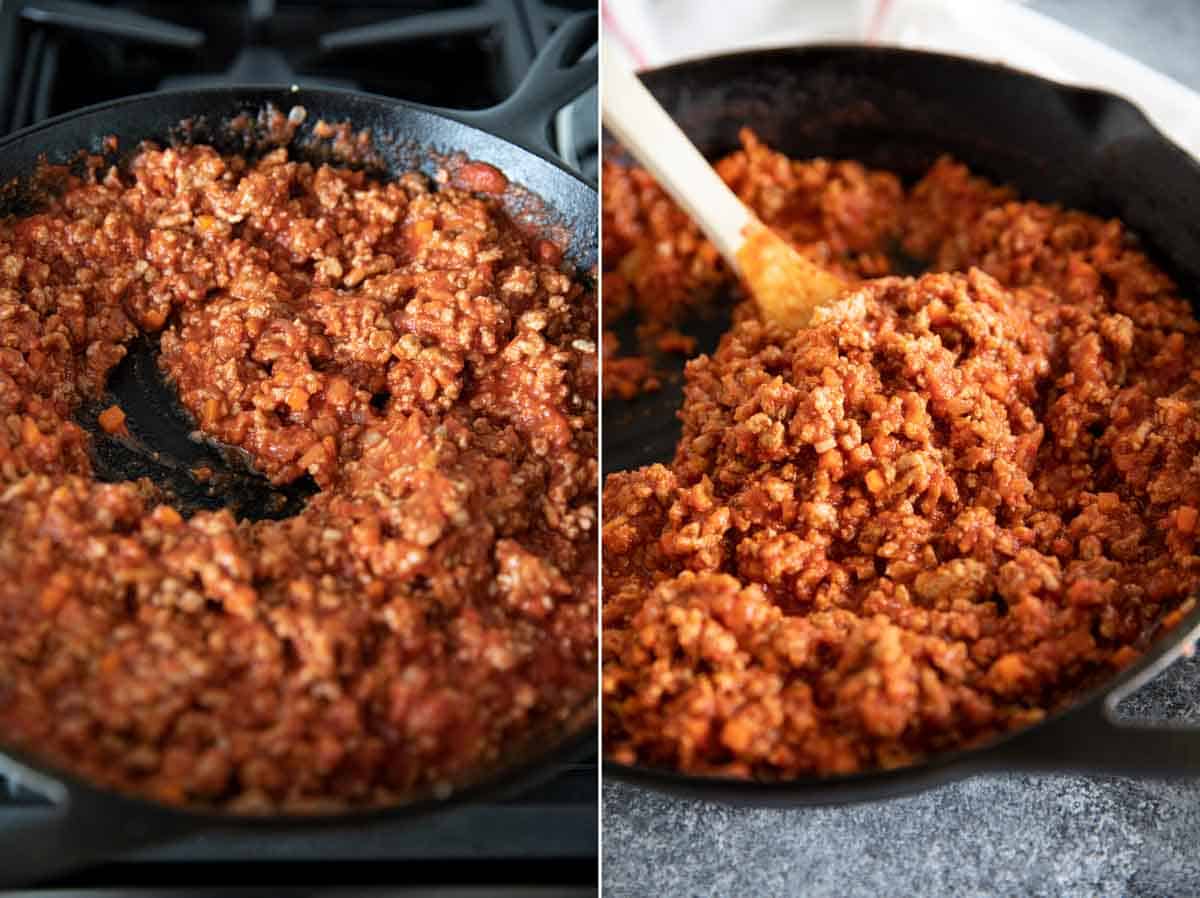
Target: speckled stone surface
(1010,835)
(999,835)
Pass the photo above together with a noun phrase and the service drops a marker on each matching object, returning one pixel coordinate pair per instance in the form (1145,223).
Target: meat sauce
(429,615)
(932,517)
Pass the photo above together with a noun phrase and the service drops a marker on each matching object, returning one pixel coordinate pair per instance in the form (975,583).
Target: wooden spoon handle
(641,124)
(787,287)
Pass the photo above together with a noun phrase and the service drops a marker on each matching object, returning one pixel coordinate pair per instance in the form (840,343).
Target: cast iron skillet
(900,109)
(84,822)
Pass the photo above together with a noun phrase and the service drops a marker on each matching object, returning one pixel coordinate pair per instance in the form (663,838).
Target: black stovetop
(547,836)
(59,55)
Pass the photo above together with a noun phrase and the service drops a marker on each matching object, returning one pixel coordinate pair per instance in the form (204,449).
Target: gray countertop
(999,835)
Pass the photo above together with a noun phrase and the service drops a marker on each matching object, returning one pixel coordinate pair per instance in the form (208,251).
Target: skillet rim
(461,117)
(883,783)
(70,794)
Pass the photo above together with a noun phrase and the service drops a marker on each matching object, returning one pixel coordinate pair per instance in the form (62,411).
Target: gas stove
(59,55)
(546,838)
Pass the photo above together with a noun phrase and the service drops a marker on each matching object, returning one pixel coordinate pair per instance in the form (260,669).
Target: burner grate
(556,822)
(59,55)
(47,25)
(572,784)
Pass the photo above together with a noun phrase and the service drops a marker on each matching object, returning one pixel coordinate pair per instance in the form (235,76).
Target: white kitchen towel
(649,33)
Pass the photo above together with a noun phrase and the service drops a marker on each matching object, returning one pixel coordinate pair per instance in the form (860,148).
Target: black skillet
(85,823)
(899,110)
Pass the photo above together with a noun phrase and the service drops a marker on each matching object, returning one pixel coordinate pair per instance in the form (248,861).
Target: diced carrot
(55,592)
(1084,591)
(112,420)
(168,516)
(212,411)
(1172,618)
(30,433)
(875,481)
(1124,656)
(1185,519)
(736,735)
(297,399)
(154,319)
(240,600)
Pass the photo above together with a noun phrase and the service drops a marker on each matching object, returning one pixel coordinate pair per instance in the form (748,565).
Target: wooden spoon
(786,286)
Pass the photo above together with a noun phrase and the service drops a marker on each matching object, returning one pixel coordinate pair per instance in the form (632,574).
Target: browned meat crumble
(932,517)
(431,611)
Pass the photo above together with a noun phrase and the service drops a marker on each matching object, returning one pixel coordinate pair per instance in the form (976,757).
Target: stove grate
(58,55)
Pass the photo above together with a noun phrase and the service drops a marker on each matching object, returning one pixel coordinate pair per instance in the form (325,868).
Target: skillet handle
(1092,740)
(551,82)
(39,841)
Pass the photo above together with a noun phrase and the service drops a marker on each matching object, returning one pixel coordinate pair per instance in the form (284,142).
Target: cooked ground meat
(625,376)
(432,610)
(933,517)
